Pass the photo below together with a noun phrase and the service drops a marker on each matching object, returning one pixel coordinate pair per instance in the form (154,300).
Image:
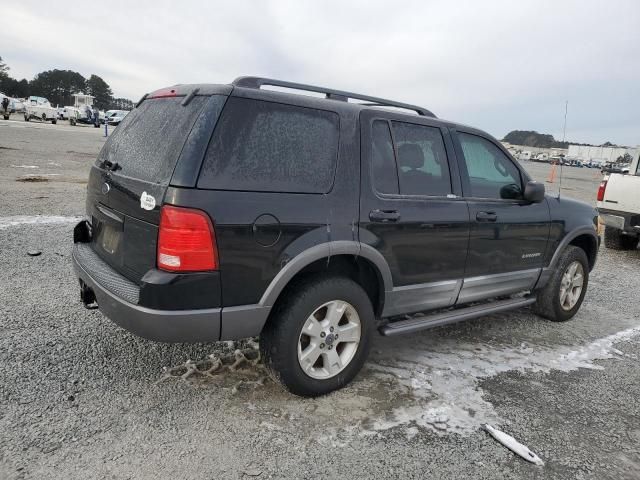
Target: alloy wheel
(571,285)
(329,339)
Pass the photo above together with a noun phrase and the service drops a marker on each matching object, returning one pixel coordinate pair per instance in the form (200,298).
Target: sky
(496,65)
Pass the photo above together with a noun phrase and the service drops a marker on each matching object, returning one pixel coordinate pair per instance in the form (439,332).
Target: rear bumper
(117,299)
(625,221)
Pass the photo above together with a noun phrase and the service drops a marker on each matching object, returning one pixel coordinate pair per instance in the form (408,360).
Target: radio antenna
(564,131)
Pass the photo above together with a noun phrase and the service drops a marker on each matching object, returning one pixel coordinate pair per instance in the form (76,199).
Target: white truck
(40,108)
(619,207)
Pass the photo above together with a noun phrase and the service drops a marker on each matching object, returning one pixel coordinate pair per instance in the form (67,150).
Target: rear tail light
(601,189)
(186,240)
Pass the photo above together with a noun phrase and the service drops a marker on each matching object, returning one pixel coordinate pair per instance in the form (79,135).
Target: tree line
(532,138)
(58,85)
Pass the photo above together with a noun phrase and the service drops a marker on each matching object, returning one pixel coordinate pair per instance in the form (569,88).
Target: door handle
(384,215)
(486,216)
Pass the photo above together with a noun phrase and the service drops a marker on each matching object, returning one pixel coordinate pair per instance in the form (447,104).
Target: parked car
(117,117)
(218,212)
(40,108)
(619,206)
(107,115)
(71,113)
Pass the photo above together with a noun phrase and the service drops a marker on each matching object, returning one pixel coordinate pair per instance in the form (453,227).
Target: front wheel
(54,121)
(317,338)
(562,297)
(26,118)
(6,117)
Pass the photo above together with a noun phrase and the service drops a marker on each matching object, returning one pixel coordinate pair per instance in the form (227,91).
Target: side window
(271,147)
(383,162)
(491,173)
(422,160)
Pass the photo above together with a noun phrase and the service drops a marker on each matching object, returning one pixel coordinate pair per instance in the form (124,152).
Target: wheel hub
(571,285)
(329,339)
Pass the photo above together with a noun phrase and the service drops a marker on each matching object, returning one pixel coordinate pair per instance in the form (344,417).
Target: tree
(57,85)
(626,158)
(121,104)
(4,70)
(15,88)
(533,139)
(101,90)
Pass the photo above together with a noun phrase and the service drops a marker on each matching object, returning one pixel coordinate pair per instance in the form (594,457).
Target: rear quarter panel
(247,264)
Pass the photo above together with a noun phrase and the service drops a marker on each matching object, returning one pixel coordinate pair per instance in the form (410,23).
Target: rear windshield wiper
(109,165)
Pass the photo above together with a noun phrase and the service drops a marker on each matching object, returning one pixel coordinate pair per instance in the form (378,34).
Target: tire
(26,118)
(6,117)
(615,240)
(548,302)
(54,121)
(282,335)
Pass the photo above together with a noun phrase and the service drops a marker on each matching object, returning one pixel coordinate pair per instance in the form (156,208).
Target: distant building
(600,155)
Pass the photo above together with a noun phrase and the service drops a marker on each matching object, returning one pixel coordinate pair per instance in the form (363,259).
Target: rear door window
(148,141)
(383,162)
(271,147)
(422,160)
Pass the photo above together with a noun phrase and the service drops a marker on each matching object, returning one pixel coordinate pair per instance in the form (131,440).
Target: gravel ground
(80,398)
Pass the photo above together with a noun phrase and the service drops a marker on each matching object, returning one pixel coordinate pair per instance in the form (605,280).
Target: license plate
(110,239)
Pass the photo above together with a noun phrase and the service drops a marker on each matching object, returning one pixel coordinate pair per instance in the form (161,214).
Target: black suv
(218,212)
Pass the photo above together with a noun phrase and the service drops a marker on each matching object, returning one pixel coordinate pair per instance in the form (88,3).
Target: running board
(453,316)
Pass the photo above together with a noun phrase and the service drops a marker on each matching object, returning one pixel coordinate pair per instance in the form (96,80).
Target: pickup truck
(619,207)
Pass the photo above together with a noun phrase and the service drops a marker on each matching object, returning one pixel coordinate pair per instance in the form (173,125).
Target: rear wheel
(616,240)
(26,117)
(562,297)
(54,121)
(317,338)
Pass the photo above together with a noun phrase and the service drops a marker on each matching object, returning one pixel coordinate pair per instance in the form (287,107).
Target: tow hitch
(88,297)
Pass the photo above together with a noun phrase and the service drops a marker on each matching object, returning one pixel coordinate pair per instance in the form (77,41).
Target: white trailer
(40,108)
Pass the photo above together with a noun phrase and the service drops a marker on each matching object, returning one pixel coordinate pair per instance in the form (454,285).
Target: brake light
(186,240)
(163,93)
(601,189)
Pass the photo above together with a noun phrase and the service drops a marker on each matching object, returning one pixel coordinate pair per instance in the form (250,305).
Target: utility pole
(564,132)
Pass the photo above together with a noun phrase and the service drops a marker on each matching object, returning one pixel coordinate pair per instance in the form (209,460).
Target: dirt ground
(81,398)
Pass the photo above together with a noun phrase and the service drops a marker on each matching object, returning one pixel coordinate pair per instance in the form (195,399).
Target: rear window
(148,141)
(271,147)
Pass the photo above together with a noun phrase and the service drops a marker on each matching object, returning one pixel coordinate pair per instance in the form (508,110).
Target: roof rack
(257,82)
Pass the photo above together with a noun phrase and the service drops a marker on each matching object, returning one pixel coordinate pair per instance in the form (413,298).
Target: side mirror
(534,192)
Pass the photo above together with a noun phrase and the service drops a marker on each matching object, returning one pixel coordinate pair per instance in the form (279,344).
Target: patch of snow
(41,175)
(441,376)
(18,220)
(24,166)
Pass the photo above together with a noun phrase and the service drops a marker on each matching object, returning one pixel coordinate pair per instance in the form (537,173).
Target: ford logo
(105,188)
